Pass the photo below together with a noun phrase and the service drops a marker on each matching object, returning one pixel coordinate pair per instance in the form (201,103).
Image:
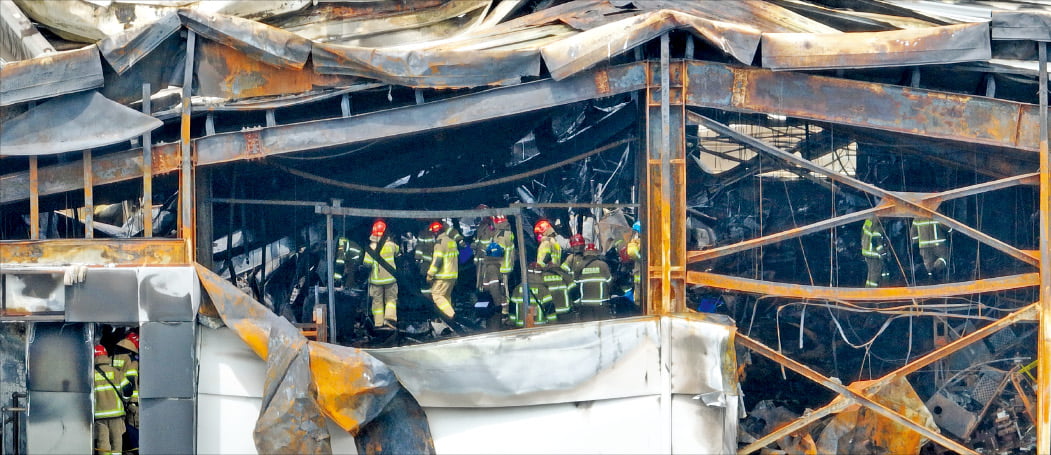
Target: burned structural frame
(668,87)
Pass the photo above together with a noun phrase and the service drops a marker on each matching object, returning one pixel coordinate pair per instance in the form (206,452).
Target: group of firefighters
(560,288)
(930,236)
(116,388)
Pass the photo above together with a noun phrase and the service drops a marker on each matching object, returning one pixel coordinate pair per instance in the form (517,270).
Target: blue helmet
(494,250)
(637,227)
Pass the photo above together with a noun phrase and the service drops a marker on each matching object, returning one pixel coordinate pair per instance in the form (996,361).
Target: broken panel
(35,292)
(59,422)
(105,295)
(166,426)
(168,293)
(166,360)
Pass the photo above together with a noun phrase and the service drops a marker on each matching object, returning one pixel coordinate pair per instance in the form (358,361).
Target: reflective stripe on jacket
(446,262)
(594,279)
(379,274)
(549,252)
(108,403)
(927,232)
(871,239)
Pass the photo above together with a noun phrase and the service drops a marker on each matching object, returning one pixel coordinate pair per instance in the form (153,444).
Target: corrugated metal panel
(379,20)
(70,123)
(935,45)
(50,75)
(125,49)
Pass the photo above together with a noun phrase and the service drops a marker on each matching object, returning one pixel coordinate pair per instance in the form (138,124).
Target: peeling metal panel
(228,73)
(269,44)
(125,49)
(168,294)
(167,426)
(50,75)
(1021,25)
(495,103)
(437,68)
(582,362)
(166,360)
(891,108)
(105,295)
(89,21)
(59,423)
(380,21)
(70,123)
(19,38)
(934,45)
(581,51)
(703,356)
(100,252)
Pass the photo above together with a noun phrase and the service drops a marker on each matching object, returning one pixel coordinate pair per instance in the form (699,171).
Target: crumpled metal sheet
(307,381)
(125,49)
(1021,25)
(50,75)
(270,44)
(933,45)
(579,52)
(861,431)
(431,67)
(71,122)
(19,38)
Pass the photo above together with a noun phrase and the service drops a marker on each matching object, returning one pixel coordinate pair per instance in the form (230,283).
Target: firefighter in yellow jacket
(593,278)
(348,258)
(128,364)
(549,251)
(873,248)
(383,287)
(444,270)
(531,295)
(109,405)
(931,237)
(498,261)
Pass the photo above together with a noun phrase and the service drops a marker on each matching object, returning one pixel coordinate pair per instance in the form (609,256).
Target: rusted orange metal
(228,73)
(135,252)
(861,294)
(847,393)
(89,200)
(1043,399)
(34,199)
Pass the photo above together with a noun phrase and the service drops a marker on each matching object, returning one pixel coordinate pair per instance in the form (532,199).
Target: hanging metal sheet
(269,44)
(229,73)
(125,49)
(924,46)
(50,75)
(71,122)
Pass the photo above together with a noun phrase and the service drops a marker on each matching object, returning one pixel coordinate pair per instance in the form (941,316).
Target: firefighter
(444,270)
(128,364)
(549,251)
(424,253)
(383,287)
(576,253)
(498,263)
(348,259)
(109,404)
(483,235)
(633,251)
(873,248)
(931,236)
(593,278)
(539,299)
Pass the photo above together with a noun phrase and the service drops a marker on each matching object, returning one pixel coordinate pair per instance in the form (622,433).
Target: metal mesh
(986,386)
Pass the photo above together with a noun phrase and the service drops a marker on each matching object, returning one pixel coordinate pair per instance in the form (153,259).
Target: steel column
(1043,402)
(522,262)
(330,268)
(147,168)
(186,188)
(34,199)
(664,222)
(89,201)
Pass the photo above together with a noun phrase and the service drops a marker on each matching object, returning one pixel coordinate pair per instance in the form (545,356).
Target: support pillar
(664,219)
(186,187)
(1043,414)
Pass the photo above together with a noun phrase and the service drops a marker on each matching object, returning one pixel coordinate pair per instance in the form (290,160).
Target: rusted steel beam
(89,195)
(1023,314)
(930,200)
(903,202)
(861,294)
(927,113)
(705,255)
(839,388)
(111,168)
(34,199)
(186,188)
(130,252)
(452,112)
(147,168)
(1043,399)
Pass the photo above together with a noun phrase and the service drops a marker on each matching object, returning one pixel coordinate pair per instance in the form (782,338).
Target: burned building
(822,224)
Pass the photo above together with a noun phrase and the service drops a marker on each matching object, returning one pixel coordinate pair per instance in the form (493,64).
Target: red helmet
(435,227)
(576,240)
(100,350)
(541,226)
(499,219)
(591,247)
(378,228)
(133,338)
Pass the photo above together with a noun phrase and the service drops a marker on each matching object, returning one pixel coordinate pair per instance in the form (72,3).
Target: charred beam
(94,251)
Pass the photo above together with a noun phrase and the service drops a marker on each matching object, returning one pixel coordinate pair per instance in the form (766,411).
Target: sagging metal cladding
(49,75)
(307,381)
(70,123)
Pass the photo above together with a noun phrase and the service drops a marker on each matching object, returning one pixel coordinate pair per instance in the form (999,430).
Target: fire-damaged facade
(524,226)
